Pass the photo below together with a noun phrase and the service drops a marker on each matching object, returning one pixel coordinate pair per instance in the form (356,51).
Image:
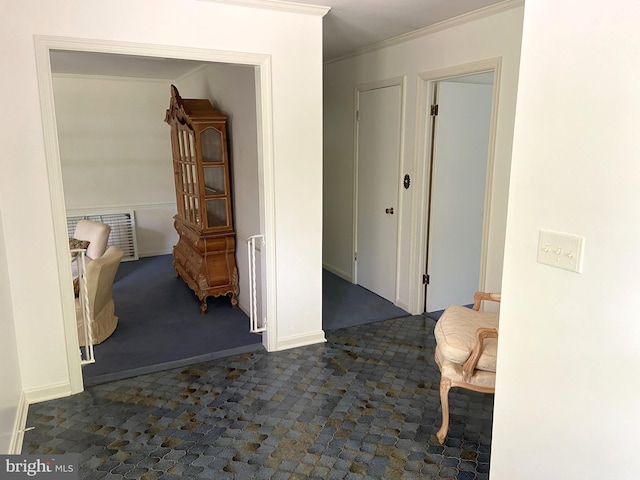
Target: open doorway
(259,221)
(113,150)
(458,126)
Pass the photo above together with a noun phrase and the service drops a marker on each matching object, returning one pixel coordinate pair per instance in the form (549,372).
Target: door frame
(424,143)
(390,82)
(264,109)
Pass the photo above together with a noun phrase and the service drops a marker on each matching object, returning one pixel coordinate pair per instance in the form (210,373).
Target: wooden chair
(466,348)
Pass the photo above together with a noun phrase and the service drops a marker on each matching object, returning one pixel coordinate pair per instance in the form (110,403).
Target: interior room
(109,166)
(561,165)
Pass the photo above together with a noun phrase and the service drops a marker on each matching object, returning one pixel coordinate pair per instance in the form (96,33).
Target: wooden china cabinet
(204,256)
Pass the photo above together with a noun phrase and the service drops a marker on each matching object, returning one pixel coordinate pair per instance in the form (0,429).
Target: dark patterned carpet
(364,405)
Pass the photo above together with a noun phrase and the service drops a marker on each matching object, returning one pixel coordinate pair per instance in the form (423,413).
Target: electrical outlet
(561,250)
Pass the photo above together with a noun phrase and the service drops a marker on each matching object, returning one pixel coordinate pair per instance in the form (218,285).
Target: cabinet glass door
(187,178)
(214,180)
(214,173)
(211,145)
(217,213)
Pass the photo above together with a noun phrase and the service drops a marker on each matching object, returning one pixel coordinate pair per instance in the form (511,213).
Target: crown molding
(280,5)
(147,50)
(437,27)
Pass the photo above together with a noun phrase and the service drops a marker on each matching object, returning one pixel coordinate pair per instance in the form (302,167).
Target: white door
(458,183)
(377,186)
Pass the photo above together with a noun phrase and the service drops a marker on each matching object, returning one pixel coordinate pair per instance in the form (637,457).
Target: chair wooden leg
(445,386)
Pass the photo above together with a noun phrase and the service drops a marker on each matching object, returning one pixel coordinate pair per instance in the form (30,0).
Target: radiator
(123,229)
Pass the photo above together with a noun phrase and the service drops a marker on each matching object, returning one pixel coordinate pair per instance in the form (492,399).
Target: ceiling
(348,27)
(93,63)
(352,25)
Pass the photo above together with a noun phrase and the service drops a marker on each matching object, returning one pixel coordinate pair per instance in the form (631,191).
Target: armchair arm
(478,297)
(476,352)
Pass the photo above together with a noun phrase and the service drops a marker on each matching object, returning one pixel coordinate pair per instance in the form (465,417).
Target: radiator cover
(123,228)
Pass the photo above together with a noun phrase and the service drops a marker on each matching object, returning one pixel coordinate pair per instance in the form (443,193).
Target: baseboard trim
(245,309)
(155,253)
(300,340)
(405,306)
(49,392)
(336,271)
(17,437)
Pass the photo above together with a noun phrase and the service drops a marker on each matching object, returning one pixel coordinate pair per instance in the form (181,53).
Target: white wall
(568,392)
(294,45)
(495,36)
(115,152)
(11,391)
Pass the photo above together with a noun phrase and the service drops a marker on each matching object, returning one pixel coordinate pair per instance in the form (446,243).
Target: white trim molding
(121,207)
(292,7)
(267,188)
(338,272)
(262,63)
(423,159)
(301,340)
(19,426)
(48,392)
(437,27)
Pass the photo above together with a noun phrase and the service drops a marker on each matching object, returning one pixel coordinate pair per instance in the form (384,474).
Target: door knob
(389,211)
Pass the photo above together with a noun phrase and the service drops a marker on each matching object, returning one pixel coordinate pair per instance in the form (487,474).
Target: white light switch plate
(561,250)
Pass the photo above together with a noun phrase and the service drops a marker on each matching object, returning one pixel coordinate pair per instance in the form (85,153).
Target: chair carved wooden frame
(466,351)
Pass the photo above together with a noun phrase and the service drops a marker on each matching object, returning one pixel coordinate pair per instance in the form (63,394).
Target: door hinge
(357,115)
(425,279)
(434,110)
(355,256)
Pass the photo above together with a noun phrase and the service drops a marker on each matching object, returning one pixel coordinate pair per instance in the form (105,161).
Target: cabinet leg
(203,305)
(234,300)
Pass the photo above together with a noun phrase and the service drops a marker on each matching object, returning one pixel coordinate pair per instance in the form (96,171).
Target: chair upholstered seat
(466,351)
(456,335)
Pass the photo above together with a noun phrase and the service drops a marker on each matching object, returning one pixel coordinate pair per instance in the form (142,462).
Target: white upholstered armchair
(96,233)
(466,351)
(102,320)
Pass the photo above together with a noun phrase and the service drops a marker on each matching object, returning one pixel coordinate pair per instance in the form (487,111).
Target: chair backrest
(100,275)
(96,233)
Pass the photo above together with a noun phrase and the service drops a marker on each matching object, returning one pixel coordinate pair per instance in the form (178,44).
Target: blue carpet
(346,305)
(160,325)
